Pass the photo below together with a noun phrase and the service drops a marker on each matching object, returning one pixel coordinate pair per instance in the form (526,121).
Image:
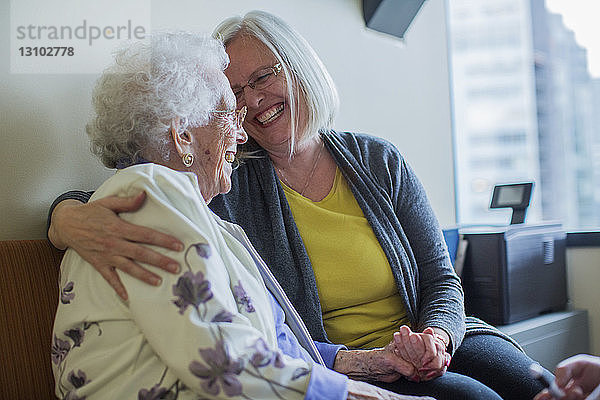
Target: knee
(498,364)
(457,386)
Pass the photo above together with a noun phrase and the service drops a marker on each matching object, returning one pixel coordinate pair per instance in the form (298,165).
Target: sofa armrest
(28,301)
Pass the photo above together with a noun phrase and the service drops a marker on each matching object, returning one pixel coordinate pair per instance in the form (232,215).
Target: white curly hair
(173,74)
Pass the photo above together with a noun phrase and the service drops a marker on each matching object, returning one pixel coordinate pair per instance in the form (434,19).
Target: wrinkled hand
(377,364)
(95,231)
(577,376)
(426,351)
(390,366)
(364,391)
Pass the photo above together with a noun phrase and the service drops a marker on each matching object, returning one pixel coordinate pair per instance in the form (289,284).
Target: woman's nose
(241,136)
(252,97)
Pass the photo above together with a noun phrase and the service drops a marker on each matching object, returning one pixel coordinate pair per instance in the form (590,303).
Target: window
(525,109)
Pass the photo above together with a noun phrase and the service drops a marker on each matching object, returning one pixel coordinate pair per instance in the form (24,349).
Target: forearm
(440,292)
(373,365)
(76,195)
(442,304)
(357,364)
(55,218)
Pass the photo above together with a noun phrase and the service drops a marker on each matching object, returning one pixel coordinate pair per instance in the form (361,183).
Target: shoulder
(378,155)
(147,176)
(172,194)
(355,140)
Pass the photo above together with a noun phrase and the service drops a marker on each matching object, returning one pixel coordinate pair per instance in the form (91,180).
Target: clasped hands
(425,351)
(415,356)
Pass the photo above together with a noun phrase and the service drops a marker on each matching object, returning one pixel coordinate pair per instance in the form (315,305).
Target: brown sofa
(29,297)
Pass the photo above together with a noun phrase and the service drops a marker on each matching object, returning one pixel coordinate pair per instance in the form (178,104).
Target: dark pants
(483,367)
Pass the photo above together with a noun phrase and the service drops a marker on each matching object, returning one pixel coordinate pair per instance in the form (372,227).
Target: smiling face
(269,115)
(215,143)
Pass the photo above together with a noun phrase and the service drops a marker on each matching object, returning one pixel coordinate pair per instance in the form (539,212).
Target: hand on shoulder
(95,231)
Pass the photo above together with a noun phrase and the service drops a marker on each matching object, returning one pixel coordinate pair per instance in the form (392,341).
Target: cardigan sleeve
(78,195)
(441,299)
(411,225)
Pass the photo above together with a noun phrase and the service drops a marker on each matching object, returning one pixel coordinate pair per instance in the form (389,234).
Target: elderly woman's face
(268,120)
(215,142)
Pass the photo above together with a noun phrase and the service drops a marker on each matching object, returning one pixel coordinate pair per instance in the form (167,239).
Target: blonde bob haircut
(307,77)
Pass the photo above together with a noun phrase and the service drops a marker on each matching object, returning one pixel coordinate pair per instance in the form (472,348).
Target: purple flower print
(76,335)
(60,348)
(155,393)
(203,249)
(66,294)
(190,290)
(221,370)
(223,316)
(263,356)
(77,379)
(241,297)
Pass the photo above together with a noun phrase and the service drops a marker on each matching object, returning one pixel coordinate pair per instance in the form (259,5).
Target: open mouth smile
(270,115)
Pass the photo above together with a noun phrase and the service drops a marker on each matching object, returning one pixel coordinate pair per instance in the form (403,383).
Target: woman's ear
(181,137)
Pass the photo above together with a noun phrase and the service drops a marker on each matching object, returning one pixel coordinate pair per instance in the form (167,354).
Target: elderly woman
(165,115)
(340,218)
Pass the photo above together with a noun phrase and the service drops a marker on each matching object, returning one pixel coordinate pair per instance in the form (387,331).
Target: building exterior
(523,111)
(596,139)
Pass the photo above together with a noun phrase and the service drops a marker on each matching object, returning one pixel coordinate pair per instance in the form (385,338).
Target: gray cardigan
(394,203)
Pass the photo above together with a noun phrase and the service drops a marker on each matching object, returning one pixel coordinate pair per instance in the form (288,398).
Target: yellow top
(359,298)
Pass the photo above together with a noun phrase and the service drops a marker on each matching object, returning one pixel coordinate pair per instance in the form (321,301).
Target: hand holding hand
(95,231)
(426,351)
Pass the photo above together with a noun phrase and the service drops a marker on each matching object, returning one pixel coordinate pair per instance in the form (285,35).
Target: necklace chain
(312,171)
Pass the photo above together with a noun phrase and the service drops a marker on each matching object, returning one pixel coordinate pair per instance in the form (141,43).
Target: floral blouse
(208,332)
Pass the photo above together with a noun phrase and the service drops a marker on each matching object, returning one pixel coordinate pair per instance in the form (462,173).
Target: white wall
(390,88)
(583,278)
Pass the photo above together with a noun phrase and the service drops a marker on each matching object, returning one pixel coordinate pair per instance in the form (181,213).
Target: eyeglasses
(231,119)
(260,79)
